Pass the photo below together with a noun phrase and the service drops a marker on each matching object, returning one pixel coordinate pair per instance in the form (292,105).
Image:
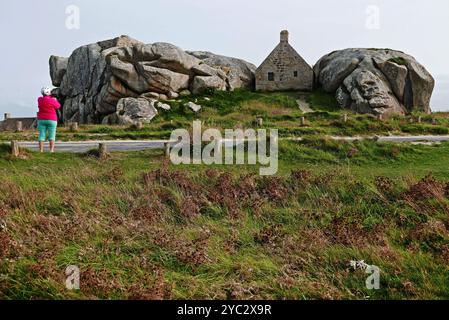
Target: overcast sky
(31,31)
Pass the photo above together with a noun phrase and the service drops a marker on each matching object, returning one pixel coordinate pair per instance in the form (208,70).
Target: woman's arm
(55,103)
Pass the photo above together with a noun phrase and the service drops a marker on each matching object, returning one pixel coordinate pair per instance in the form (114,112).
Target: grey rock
(126,72)
(419,88)
(396,75)
(201,84)
(173,58)
(163,97)
(173,95)
(371,94)
(335,72)
(55,92)
(163,106)
(203,69)
(80,67)
(343,97)
(185,93)
(97,76)
(110,94)
(239,73)
(86,76)
(153,95)
(193,106)
(376,81)
(162,80)
(72,108)
(134,110)
(58,68)
(111,119)
(122,41)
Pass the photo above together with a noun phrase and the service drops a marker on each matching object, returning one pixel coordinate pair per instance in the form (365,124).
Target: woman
(47,118)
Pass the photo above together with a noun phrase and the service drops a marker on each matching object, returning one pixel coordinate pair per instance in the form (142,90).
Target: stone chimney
(284,36)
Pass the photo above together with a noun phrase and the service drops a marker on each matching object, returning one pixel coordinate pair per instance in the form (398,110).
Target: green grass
(399,60)
(139,229)
(225,110)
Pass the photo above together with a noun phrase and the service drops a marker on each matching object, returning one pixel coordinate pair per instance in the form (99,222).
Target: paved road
(83,146)
(397,139)
(137,145)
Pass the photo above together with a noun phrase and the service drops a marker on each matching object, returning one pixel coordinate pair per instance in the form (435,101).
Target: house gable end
(284,69)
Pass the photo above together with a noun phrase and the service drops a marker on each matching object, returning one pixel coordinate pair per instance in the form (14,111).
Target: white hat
(46,91)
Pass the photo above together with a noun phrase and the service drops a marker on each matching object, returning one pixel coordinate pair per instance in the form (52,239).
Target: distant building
(284,69)
(11,124)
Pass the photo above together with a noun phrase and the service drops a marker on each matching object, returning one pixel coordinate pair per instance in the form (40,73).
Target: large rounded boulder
(94,81)
(376,81)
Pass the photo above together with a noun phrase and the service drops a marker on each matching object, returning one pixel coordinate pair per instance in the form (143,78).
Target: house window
(295,74)
(270,76)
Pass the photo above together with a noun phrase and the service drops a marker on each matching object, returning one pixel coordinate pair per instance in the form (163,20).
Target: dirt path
(304,106)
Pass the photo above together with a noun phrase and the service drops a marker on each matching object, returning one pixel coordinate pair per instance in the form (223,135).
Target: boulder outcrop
(376,81)
(110,81)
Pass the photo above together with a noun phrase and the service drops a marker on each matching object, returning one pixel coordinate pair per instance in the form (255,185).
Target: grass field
(227,110)
(141,228)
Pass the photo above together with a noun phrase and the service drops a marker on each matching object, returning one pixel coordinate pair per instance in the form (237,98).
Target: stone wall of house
(288,70)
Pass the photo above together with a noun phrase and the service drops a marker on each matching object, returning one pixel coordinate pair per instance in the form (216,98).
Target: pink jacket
(47,108)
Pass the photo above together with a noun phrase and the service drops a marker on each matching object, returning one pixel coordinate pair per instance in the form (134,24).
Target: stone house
(284,69)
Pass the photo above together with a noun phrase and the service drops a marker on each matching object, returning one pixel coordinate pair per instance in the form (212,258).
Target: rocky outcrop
(110,81)
(202,83)
(58,68)
(238,73)
(132,111)
(377,81)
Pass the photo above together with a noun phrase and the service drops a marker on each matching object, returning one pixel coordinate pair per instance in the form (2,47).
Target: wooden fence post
(73,126)
(102,150)
(303,121)
(15,152)
(345,117)
(167,147)
(259,121)
(419,119)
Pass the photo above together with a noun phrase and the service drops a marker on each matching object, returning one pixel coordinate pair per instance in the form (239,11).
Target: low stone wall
(17,124)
